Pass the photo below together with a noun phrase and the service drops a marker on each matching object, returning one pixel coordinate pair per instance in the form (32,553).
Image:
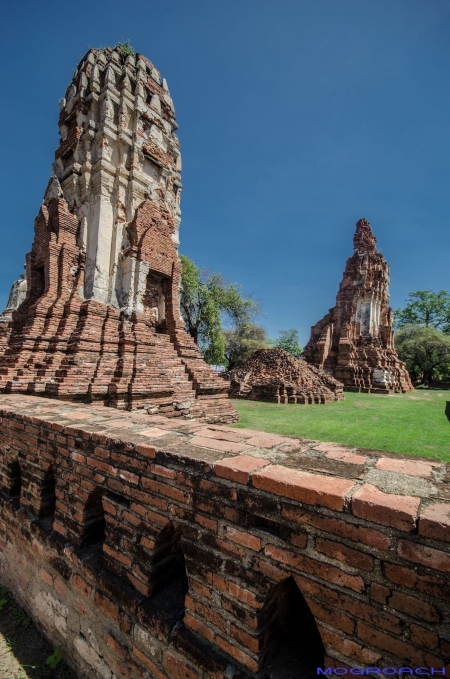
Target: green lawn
(413,423)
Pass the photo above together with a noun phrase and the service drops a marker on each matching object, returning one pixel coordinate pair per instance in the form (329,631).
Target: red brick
(322,570)
(129,477)
(310,488)
(397,511)
(205,522)
(347,647)
(149,663)
(245,639)
(199,627)
(401,649)
(264,440)
(238,655)
(330,615)
(162,471)
(205,612)
(414,607)
(200,590)
(46,576)
(214,444)
(345,456)
(146,450)
(434,521)
(244,595)
(346,554)
(81,585)
(428,584)
(420,636)
(426,556)
(239,468)
(350,531)
(354,607)
(379,593)
(244,539)
(178,668)
(117,556)
(165,489)
(410,467)
(141,587)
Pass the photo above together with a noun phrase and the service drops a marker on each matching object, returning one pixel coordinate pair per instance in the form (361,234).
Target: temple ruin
(100,320)
(354,342)
(274,375)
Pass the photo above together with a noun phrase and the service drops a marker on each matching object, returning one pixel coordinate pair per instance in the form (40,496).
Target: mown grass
(413,423)
(24,652)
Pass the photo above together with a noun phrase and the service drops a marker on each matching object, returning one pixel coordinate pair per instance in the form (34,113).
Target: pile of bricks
(275,375)
(354,341)
(184,550)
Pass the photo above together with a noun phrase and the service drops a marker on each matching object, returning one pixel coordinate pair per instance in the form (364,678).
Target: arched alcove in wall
(14,479)
(47,494)
(167,561)
(292,647)
(93,527)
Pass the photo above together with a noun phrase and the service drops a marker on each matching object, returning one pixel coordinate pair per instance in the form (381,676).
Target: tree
(427,308)
(206,300)
(425,351)
(288,340)
(243,342)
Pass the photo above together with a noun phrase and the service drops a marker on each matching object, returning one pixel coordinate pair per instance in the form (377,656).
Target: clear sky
(297,117)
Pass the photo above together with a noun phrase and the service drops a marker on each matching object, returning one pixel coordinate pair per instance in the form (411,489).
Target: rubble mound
(275,375)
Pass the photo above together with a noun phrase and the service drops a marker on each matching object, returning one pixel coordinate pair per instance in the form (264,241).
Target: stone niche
(354,342)
(97,317)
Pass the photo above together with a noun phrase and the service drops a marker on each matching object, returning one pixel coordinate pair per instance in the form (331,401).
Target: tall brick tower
(354,342)
(101,317)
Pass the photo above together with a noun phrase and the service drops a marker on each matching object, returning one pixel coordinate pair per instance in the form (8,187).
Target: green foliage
(425,351)
(427,308)
(243,342)
(288,340)
(206,299)
(412,423)
(55,658)
(125,49)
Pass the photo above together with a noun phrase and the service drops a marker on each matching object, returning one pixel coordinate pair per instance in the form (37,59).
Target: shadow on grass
(23,649)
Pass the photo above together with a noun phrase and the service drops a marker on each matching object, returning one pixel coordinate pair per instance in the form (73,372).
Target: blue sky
(297,117)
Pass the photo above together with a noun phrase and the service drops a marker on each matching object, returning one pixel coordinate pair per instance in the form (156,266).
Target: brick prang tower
(354,342)
(101,320)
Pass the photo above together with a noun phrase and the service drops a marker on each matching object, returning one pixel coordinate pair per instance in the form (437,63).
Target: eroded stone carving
(354,342)
(101,317)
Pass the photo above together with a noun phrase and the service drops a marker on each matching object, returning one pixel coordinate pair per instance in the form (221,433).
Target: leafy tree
(206,300)
(425,351)
(427,308)
(288,340)
(243,342)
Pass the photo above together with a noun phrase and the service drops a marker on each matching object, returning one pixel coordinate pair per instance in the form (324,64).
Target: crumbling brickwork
(354,342)
(179,550)
(274,375)
(101,320)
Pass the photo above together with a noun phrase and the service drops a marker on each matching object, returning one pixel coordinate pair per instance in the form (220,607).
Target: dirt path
(23,650)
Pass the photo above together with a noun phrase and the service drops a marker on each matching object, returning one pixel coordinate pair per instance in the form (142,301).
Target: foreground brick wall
(150,548)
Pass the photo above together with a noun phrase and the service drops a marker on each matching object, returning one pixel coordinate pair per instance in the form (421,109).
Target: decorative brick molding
(154,547)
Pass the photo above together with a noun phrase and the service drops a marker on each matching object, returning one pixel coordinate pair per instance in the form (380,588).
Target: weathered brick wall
(150,548)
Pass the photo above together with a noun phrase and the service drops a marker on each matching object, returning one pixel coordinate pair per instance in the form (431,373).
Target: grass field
(413,423)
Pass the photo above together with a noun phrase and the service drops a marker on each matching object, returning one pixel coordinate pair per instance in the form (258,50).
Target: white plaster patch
(50,612)
(91,657)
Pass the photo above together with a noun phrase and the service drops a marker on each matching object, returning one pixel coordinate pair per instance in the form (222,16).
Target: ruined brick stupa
(276,376)
(101,320)
(354,342)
